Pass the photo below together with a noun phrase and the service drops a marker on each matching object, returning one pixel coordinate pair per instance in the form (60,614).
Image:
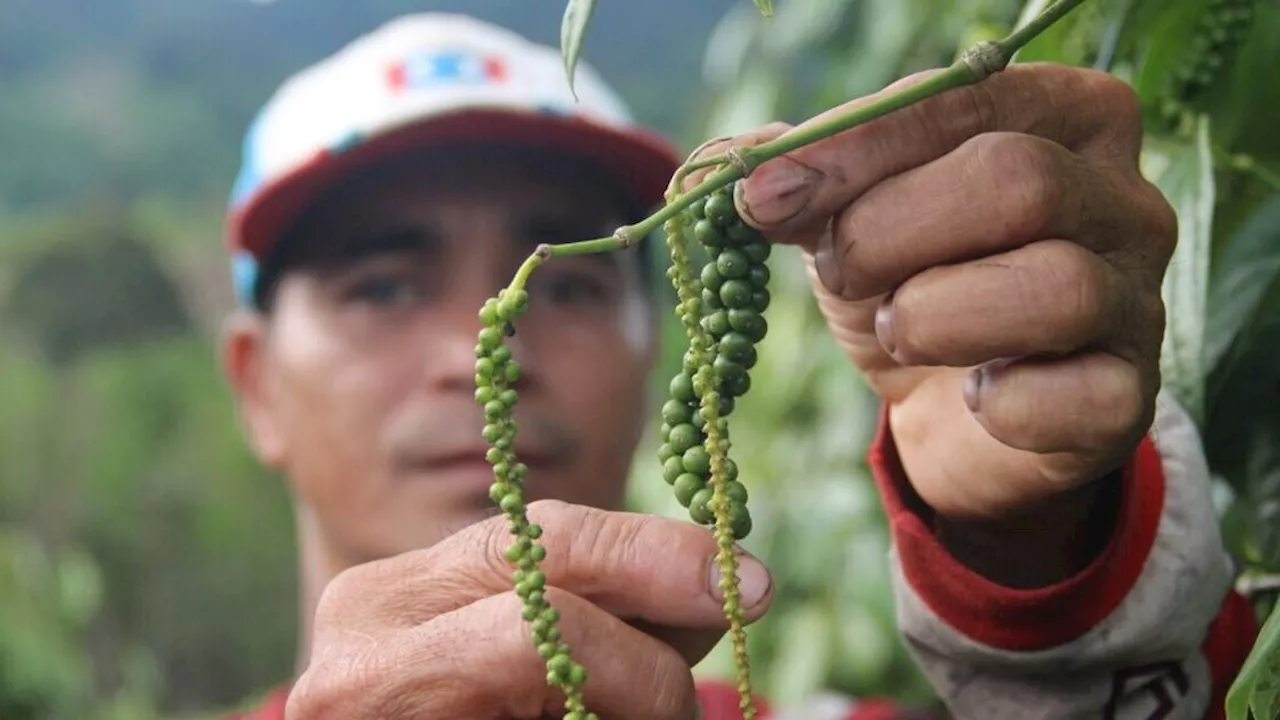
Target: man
(1055,551)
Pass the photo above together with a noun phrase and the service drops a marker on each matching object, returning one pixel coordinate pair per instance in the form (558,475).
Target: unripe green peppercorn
(683,437)
(720,209)
(686,486)
(732,264)
(675,412)
(696,460)
(736,293)
(699,511)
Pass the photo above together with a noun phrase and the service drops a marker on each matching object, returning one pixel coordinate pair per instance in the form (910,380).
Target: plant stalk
(975,65)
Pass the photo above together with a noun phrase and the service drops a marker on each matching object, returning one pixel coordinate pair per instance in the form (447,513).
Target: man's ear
(244,361)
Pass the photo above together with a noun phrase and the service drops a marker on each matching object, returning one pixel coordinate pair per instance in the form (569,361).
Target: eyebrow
(532,228)
(394,240)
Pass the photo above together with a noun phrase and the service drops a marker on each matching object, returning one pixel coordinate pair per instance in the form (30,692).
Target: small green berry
(736,293)
(682,388)
(732,264)
(720,209)
(757,252)
(748,322)
(706,233)
(673,468)
(696,460)
(686,486)
(512,503)
(711,299)
(699,511)
(717,323)
(683,437)
(675,412)
(711,277)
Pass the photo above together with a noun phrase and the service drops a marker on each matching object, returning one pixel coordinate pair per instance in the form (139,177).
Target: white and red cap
(424,79)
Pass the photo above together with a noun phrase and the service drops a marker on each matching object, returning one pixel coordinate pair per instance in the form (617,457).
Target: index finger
(1090,112)
(631,565)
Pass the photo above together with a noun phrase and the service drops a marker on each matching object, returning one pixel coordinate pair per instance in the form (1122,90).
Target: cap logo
(445,67)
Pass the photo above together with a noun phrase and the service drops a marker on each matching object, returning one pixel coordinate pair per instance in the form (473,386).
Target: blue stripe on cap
(251,175)
(348,141)
(244,274)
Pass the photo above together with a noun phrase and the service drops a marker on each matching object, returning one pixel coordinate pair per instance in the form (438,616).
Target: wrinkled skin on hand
(991,260)
(436,632)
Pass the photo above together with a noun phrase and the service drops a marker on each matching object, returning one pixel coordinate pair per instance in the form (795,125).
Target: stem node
(985,59)
(740,159)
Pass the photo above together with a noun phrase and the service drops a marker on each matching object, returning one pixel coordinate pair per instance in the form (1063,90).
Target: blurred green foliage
(147,564)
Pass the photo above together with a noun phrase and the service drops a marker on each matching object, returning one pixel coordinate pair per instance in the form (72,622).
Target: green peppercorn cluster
(731,296)
(1222,29)
(496,373)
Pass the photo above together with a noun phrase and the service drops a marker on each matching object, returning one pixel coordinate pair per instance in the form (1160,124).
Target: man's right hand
(438,632)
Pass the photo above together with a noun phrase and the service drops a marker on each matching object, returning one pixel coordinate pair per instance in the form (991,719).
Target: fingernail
(829,265)
(776,191)
(973,386)
(754,581)
(884,325)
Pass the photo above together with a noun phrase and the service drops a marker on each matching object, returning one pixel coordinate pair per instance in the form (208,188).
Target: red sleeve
(1030,620)
(1230,639)
(271,708)
(1011,619)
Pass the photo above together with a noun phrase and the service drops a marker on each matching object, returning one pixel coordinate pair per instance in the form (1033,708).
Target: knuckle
(674,687)
(1162,235)
(608,541)
(1124,107)
(339,595)
(329,691)
(1121,405)
(1077,277)
(1026,175)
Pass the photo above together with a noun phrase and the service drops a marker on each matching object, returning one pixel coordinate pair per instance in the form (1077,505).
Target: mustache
(442,434)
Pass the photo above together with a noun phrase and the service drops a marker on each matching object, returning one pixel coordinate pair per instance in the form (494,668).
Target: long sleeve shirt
(1150,630)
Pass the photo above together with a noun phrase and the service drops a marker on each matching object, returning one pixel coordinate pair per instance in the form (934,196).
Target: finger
(636,566)
(1086,111)
(476,663)
(1074,412)
(1048,298)
(719,145)
(994,193)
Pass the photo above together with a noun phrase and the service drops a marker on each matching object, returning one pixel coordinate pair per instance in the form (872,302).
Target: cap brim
(642,161)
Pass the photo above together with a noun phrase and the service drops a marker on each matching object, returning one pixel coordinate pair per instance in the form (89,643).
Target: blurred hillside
(147,564)
(122,99)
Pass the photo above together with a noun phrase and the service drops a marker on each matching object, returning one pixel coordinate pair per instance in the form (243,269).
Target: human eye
(381,289)
(574,287)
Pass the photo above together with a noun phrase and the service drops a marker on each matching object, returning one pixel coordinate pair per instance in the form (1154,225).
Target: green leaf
(765,7)
(1244,105)
(1075,38)
(1184,173)
(1248,266)
(577,15)
(1255,687)
(1166,29)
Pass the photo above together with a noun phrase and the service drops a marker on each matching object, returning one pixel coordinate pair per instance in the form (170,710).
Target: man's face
(359,386)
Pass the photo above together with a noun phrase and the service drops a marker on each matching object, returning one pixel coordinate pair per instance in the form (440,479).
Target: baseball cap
(425,79)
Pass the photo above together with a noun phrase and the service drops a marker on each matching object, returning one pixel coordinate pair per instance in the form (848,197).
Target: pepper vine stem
(973,66)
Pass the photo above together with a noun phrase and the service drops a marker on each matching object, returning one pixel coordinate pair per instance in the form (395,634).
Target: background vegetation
(146,563)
